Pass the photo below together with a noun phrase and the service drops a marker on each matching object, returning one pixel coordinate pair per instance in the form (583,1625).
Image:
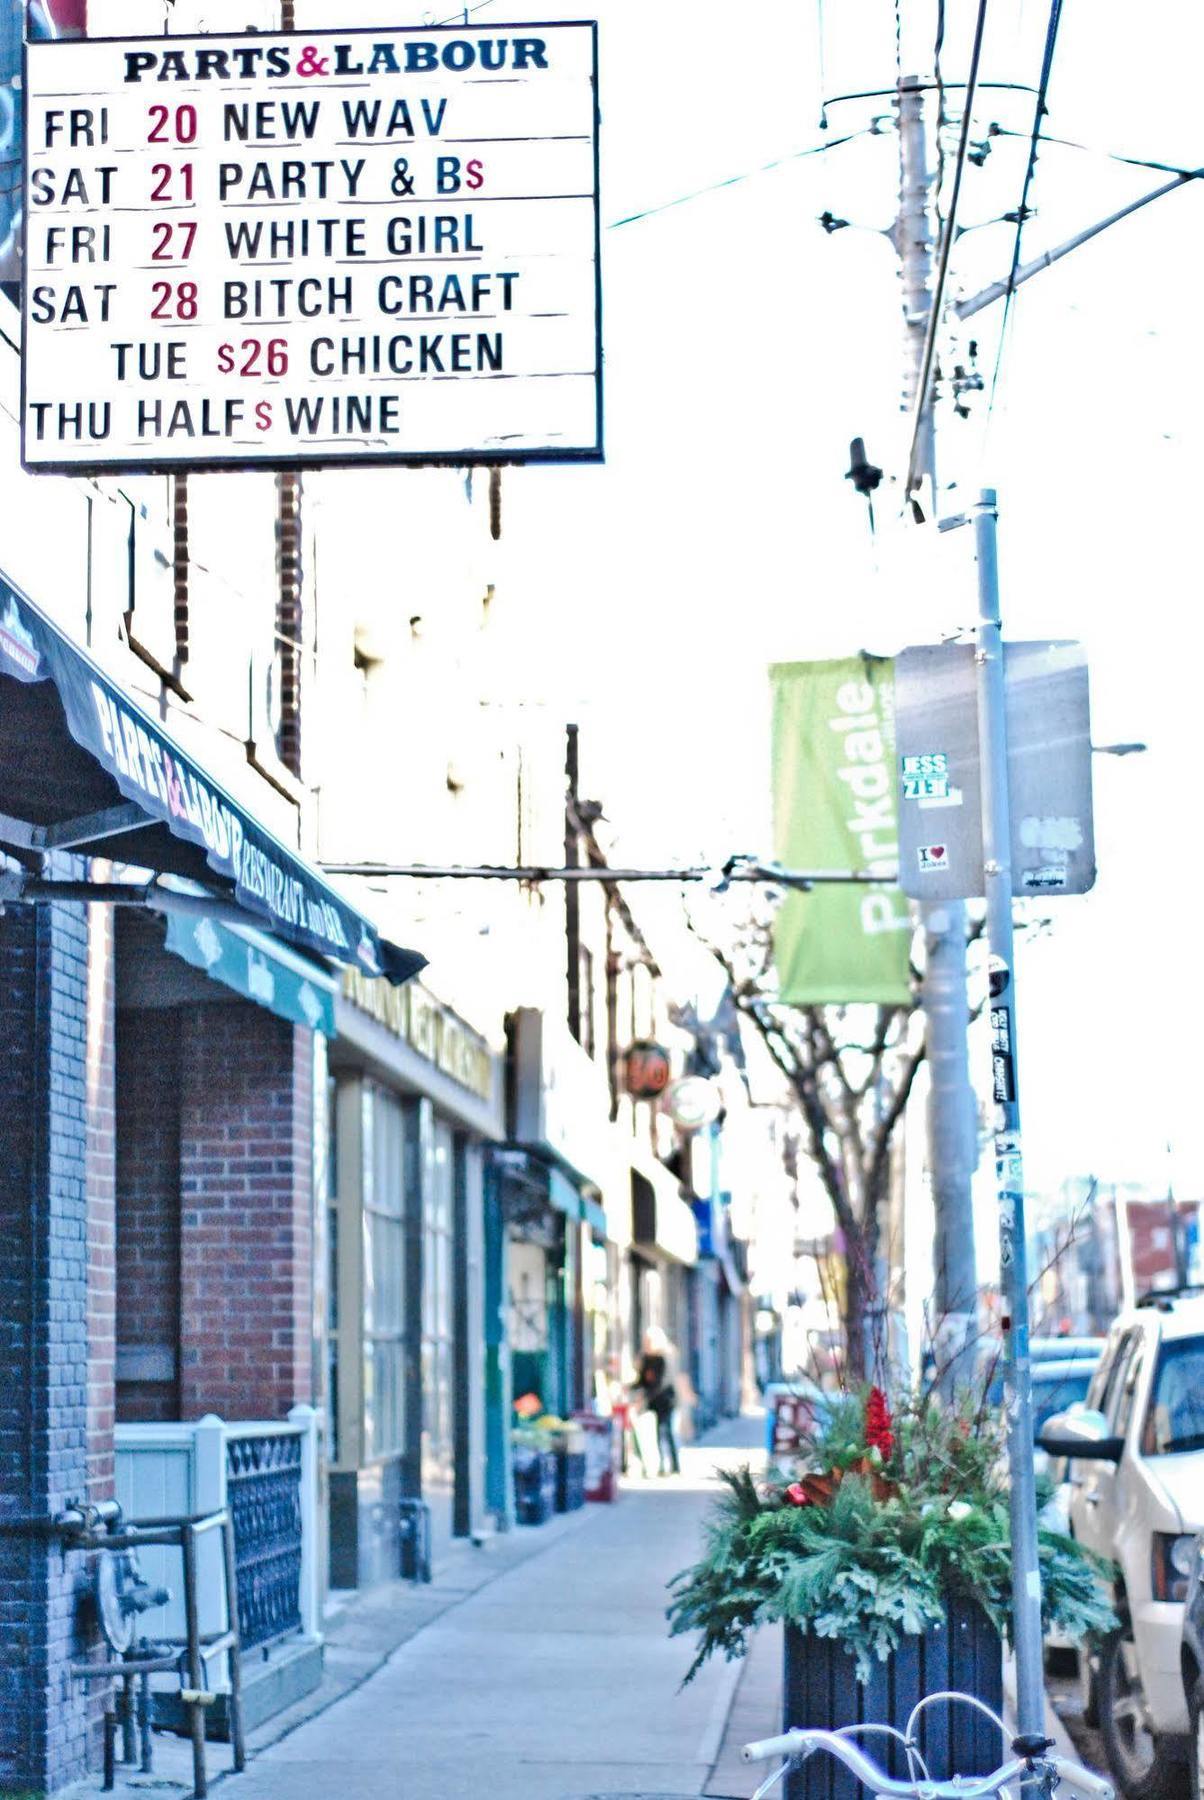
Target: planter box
(820,1690)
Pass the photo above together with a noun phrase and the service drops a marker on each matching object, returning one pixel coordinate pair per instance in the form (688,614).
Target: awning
(662,1223)
(83,768)
(593,1214)
(253,964)
(535,1183)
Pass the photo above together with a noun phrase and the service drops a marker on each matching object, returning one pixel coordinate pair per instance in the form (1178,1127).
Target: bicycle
(1028,1768)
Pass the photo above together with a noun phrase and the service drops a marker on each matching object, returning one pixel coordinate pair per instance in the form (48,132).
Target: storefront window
(384,1273)
(332,1273)
(437,1423)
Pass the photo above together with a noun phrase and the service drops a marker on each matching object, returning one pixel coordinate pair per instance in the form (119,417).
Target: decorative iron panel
(263,1477)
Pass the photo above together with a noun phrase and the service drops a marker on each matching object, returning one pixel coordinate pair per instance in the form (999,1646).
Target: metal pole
(944,998)
(193,1701)
(238,1741)
(1009,1162)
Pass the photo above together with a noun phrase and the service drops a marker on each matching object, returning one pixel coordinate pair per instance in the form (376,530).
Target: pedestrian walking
(656,1382)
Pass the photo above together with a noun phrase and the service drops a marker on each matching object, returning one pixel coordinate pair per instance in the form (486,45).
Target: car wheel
(1143,1764)
(1195,1766)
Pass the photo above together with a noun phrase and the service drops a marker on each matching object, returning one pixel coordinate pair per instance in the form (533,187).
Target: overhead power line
(1132,162)
(713,187)
(741,869)
(1039,112)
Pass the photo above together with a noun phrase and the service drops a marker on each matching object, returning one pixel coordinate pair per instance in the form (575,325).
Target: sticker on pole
(295,249)
(926,777)
(932,857)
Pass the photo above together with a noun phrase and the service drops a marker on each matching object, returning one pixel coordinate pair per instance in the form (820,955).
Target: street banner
(1047,706)
(835,809)
(296,249)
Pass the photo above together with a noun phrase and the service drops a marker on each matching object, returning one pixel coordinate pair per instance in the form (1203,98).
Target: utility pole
(1009,1159)
(951,1106)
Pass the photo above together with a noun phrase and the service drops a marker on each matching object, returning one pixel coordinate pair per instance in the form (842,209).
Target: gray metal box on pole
(1049,771)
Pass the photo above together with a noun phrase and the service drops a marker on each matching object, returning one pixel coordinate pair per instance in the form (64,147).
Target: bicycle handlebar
(859,1765)
(804,1743)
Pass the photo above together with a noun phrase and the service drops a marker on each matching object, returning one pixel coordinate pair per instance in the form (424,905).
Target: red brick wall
(246,1205)
(148,1205)
(100,1154)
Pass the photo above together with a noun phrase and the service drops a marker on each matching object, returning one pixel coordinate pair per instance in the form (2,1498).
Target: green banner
(835,808)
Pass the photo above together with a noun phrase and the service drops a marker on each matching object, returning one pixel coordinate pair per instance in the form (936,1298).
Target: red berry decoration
(878,1433)
(797,1495)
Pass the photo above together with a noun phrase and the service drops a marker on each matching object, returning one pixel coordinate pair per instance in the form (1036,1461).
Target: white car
(1137,1497)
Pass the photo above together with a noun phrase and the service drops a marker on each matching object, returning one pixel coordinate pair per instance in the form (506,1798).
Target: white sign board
(310,248)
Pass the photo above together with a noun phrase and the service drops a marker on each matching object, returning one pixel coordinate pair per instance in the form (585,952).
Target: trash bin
(570,1480)
(534,1485)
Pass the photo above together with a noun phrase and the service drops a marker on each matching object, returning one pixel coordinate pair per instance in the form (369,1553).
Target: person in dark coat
(656,1381)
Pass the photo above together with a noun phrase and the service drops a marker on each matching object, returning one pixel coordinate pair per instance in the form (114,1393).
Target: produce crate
(534,1486)
(570,1480)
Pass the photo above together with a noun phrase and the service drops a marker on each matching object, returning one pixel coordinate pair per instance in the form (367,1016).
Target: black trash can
(534,1485)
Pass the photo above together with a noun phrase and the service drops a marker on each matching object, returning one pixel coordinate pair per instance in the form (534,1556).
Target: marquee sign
(311,248)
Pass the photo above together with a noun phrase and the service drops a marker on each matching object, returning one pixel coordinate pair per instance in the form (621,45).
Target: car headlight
(1174,1557)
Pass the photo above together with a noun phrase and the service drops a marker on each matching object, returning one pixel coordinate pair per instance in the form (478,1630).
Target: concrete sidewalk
(537,1669)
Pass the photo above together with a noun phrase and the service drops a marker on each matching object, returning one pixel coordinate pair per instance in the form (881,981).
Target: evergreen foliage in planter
(893,1532)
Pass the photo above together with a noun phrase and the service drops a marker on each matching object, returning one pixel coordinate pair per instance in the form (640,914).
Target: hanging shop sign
(430,1028)
(646,1070)
(693,1103)
(299,249)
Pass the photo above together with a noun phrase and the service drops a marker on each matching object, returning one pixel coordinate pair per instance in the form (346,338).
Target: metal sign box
(1049,771)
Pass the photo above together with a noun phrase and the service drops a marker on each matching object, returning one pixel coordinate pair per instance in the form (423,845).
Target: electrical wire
(925,87)
(713,187)
(942,117)
(1132,162)
(823,79)
(1039,112)
(924,389)
(460,16)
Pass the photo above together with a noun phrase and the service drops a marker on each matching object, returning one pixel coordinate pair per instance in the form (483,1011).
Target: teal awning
(594,1215)
(258,967)
(563,1194)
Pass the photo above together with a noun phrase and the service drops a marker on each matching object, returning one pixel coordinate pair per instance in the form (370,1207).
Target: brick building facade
(47,1305)
(215,1217)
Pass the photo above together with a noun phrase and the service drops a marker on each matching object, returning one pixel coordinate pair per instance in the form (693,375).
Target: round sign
(647,1069)
(693,1102)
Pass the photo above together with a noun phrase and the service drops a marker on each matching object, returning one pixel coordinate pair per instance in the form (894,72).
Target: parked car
(1136,1450)
(1192,1657)
(1057,1386)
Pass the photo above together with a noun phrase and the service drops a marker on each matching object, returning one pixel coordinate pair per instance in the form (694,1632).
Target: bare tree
(852,1088)
(851,1070)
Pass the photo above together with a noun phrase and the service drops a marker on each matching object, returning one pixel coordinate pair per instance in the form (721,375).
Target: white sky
(744,349)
